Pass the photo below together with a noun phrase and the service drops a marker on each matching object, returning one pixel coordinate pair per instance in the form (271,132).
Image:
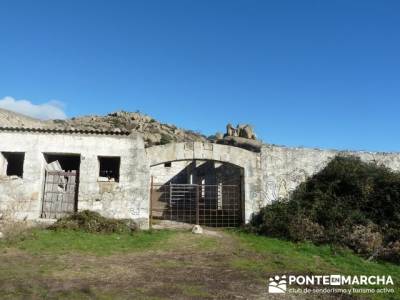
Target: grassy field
(44,264)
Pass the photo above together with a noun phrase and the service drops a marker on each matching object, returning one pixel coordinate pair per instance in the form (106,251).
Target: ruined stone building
(48,173)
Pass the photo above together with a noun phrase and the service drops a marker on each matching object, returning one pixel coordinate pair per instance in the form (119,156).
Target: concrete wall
(267,176)
(162,174)
(3,165)
(127,198)
(283,168)
(181,171)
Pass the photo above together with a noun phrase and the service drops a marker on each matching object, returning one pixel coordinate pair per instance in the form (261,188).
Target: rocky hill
(154,132)
(12,119)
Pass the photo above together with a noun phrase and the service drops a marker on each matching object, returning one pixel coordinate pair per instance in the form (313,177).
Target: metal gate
(60,194)
(210,205)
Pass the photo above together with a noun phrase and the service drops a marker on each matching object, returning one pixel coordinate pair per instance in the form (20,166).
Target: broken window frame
(114,174)
(65,162)
(9,159)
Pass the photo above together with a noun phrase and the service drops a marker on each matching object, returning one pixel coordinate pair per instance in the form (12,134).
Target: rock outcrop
(12,119)
(242,130)
(242,136)
(154,132)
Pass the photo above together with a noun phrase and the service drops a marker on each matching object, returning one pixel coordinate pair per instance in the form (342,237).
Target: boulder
(246,131)
(197,229)
(242,130)
(230,130)
(249,144)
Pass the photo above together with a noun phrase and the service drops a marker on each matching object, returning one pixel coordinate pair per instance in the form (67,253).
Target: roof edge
(65,131)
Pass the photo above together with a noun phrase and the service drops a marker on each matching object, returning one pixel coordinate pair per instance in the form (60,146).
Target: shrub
(14,230)
(272,220)
(93,222)
(365,239)
(303,229)
(349,202)
(391,252)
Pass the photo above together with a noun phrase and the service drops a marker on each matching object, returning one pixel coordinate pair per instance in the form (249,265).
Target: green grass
(64,241)
(42,256)
(276,256)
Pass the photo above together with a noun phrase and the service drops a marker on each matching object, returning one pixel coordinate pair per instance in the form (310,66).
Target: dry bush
(15,230)
(90,221)
(391,252)
(303,229)
(10,226)
(365,240)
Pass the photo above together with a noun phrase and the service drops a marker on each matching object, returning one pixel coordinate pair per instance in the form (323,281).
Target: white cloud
(44,111)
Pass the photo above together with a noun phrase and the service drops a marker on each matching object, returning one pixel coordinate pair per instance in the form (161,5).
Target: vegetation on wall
(165,139)
(350,203)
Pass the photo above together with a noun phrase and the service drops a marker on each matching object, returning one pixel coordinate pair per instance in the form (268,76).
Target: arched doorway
(204,192)
(247,161)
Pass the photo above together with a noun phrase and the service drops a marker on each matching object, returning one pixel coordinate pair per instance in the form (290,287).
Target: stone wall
(127,198)
(267,176)
(284,168)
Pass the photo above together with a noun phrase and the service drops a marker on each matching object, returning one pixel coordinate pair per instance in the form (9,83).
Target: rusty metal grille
(208,205)
(60,194)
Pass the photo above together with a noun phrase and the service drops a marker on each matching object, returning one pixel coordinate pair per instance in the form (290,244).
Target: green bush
(93,222)
(349,202)
(272,220)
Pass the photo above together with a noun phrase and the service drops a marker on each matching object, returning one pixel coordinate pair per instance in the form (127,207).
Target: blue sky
(303,73)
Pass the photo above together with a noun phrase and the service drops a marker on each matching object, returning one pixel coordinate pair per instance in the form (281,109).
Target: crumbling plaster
(268,176)
(127,198)
(284,168)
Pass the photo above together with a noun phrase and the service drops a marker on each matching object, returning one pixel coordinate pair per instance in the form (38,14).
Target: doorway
(60,192)
(200,192)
